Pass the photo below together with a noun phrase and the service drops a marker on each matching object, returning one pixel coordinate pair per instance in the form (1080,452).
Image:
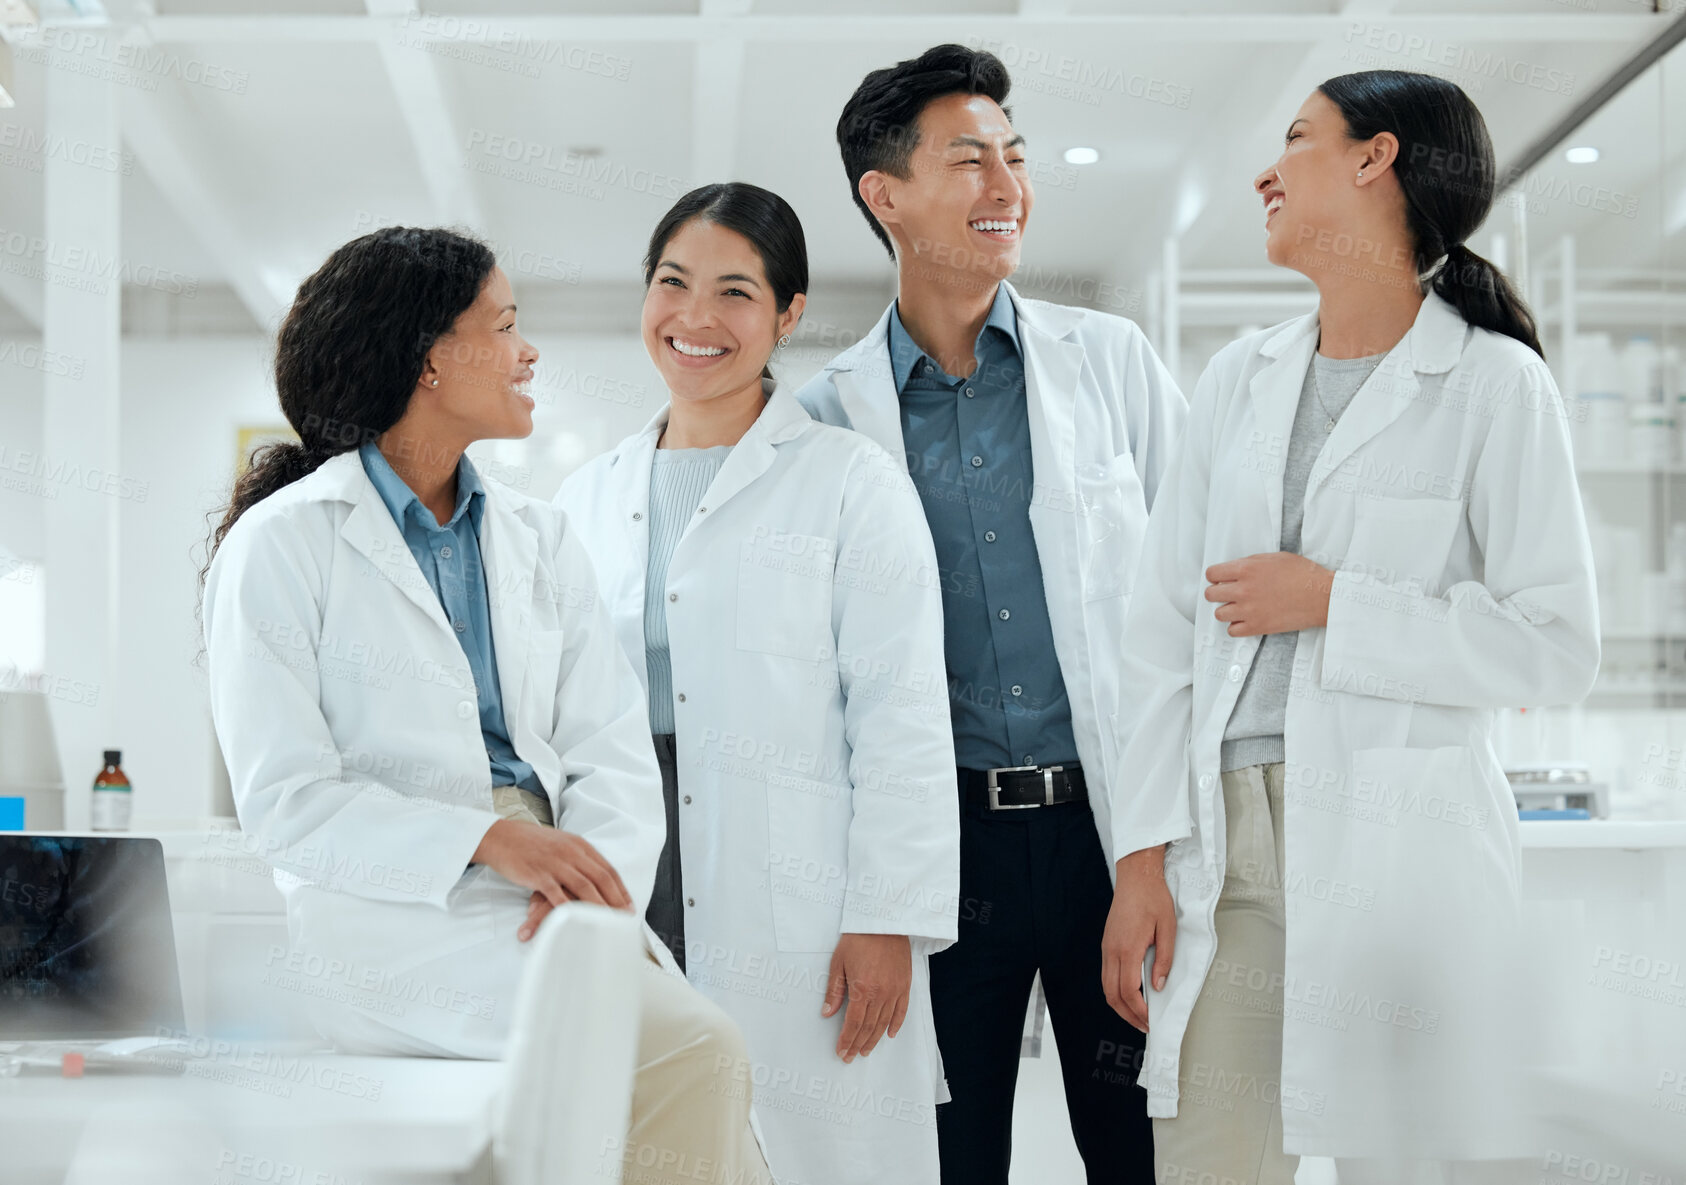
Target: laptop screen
(86,944)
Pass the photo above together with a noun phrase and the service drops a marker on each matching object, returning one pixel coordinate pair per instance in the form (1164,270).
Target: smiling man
(1036,435)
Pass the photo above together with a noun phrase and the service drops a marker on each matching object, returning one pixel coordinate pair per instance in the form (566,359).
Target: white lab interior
(171,169)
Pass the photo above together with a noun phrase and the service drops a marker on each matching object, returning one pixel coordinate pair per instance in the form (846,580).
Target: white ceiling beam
(414,74)
(1227,28)
(25,296)
(158,127)
(716,90)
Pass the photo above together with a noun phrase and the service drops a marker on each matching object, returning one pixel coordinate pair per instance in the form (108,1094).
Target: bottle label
(111,809)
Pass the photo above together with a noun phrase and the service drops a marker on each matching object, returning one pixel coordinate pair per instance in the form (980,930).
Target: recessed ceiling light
(1081,156)
(1584,154)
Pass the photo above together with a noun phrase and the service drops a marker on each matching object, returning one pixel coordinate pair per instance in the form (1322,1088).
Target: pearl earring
(1361,172)
(435,383)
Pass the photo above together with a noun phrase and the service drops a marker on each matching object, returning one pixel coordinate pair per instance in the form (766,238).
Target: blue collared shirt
(968,452)
(449,557)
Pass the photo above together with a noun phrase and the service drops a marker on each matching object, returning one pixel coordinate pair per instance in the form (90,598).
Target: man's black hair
(879,127)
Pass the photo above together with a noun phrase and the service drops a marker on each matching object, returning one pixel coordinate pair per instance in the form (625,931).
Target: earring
(784,341)
(434,383)
(1361,173)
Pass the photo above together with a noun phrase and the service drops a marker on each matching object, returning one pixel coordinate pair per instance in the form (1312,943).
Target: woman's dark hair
(1446,170)
(352,348)
(879,127)
(759,215)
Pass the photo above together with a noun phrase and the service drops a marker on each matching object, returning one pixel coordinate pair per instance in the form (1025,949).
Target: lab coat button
(673,596)
(1235,674)
(680,697)
(465,709)
(1205,781)
(687,800)
(690,901)
(637,514)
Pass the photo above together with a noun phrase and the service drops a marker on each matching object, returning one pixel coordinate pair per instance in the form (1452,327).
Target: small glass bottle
(113,797)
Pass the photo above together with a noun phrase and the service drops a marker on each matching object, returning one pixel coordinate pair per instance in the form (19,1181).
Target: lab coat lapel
(369,529)
(753,455)
(866,387)
(1275,392)
(1053,366)
(1432,346)
(509,551)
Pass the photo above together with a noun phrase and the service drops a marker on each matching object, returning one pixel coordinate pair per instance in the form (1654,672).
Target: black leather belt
(1020,787)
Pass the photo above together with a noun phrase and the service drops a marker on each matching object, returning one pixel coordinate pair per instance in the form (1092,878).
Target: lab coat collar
(1434,342)
(1053,365)
(508,551)
(781,420)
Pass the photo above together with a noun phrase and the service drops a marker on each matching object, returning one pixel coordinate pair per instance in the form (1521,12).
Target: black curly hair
(353,345)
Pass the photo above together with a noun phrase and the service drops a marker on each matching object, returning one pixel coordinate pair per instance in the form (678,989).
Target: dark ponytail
(1447,172)
(759,215)
(352,348)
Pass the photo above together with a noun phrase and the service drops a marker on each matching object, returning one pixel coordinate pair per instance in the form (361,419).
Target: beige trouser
(1229,1114)
(691,1090)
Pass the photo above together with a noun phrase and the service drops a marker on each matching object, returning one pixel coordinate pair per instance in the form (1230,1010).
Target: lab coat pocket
(807,862)
(1111,523)
(1404,541)
(784,594)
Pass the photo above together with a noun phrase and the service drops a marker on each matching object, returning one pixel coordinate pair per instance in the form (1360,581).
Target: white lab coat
(1104,417)
(1446,500)
(348,718)
(815,763)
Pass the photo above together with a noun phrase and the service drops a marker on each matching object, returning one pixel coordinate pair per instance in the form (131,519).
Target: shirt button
(1003,615)
(673,596)
(465,709)
(460,626)
(989,536)
(1029,760)
(444,553)
(969,392)
(1205,781)
(976,461)
(929,368)
(680,697)
(687,800)
(702,510)
(1235,674)
(1017,690)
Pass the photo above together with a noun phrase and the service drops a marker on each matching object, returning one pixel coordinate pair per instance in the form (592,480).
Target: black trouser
(1034,894)
(666,913)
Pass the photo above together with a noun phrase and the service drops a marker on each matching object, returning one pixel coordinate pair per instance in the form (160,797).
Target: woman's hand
(876,972)
(558,866)
(1142,915)
(1276,592)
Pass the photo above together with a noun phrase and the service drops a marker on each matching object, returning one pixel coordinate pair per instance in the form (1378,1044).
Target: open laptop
(87,949)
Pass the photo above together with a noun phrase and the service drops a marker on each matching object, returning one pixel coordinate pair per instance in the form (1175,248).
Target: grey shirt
(1253,735)
(678,479)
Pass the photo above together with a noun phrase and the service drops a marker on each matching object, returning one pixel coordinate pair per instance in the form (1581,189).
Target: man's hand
(1275,592)
(558,866)
(1142,915)
(876,972)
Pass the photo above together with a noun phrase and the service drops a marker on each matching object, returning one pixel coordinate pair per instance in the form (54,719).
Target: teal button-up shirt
(449,557)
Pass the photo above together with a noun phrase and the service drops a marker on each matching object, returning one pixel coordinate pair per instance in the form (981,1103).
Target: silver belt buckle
(1048,772)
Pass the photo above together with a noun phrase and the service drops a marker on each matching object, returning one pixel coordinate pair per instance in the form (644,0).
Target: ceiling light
(1081,156)
(1585,154)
